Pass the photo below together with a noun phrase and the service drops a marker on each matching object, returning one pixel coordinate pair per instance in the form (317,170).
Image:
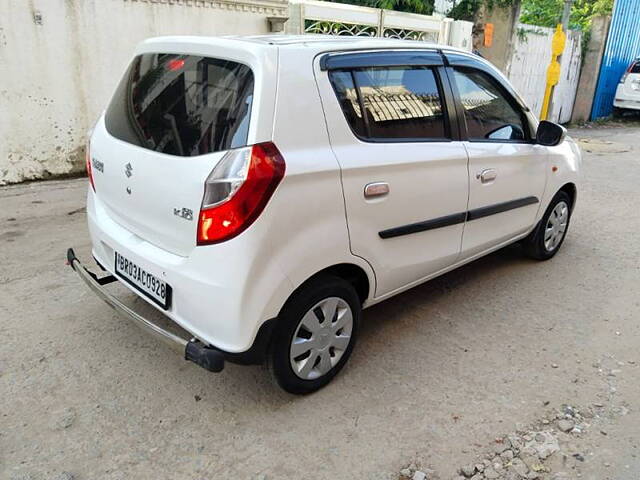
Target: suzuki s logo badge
(185,213)
(128,170)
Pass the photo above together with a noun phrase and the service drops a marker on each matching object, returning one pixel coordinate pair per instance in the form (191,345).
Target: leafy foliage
(424,7)
(543,13)
(467,9)
(360,3)
(547,13)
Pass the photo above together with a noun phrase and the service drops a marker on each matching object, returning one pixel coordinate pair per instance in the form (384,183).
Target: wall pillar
(592,58)
(505,24)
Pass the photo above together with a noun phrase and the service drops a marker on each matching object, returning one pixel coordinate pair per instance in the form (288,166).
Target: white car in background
(261,191)
(628,90)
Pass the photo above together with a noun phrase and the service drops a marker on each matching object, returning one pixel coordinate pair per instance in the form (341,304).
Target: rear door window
(392,103)
(182,105)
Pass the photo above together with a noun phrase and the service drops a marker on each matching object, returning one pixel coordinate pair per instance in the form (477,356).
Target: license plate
(145,282)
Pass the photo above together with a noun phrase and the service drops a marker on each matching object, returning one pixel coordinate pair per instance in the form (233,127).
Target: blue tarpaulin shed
(622,47)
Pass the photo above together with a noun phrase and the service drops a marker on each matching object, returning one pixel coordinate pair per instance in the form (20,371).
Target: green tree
(360,3)
(467,9)
(547,13)
(424,7)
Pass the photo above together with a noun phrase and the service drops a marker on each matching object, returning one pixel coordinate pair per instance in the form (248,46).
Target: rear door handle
(486,176)
(376,189)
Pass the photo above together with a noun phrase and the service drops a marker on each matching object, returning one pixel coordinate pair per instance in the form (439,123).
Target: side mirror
(506,132)
(550,134)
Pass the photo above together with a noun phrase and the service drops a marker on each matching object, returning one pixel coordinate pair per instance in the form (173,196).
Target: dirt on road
(440,375)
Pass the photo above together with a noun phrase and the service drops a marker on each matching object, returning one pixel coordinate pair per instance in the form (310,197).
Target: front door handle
(376,189)
(487,176)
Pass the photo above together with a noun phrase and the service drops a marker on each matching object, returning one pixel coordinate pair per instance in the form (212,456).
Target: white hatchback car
(628,90)
(261,191)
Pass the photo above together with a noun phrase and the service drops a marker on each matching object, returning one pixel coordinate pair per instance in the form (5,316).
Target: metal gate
(531,50)
(623,46)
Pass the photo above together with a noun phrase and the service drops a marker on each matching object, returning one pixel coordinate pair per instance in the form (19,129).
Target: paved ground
(439,372)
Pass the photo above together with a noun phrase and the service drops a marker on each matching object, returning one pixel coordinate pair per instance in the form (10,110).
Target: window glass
(399,103)
(182,104)
(488,113)
(348,97)
(635,67)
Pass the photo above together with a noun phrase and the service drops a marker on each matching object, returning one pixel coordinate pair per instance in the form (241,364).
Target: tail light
(237,190)
(87,159)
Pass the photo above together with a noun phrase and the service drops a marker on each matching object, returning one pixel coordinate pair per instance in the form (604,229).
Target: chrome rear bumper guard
(192,350)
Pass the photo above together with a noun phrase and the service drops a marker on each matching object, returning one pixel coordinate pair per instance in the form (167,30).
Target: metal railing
(328,18)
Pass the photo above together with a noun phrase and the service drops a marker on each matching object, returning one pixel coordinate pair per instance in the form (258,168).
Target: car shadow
(378,315)
(382,323)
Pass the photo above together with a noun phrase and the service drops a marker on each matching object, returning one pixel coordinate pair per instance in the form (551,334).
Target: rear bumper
(624,100)
(221,294)
(628,104)
(208,357)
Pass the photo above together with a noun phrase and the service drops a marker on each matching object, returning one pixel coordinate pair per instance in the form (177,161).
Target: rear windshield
(635,67)
(182,104)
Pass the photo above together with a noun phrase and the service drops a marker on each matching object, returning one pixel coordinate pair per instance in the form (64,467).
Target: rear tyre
(315,334)
(618,112)
(546,239)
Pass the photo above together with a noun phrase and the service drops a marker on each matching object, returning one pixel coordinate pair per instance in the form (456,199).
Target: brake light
(87,159)
(237,190)
(175,64)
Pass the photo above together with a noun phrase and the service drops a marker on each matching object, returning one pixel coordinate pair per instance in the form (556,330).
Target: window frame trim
(450,120)
(348,60)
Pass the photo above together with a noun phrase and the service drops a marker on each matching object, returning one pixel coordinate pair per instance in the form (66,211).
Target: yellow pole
(553,70)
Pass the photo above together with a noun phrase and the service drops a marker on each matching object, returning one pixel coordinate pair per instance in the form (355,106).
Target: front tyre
(315,335)
(545,241)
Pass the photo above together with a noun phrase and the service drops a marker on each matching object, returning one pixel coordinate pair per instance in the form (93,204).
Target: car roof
(310,38)
(312,42)
(337,42)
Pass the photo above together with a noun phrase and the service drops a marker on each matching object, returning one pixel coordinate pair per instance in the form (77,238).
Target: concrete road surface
(438,374)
